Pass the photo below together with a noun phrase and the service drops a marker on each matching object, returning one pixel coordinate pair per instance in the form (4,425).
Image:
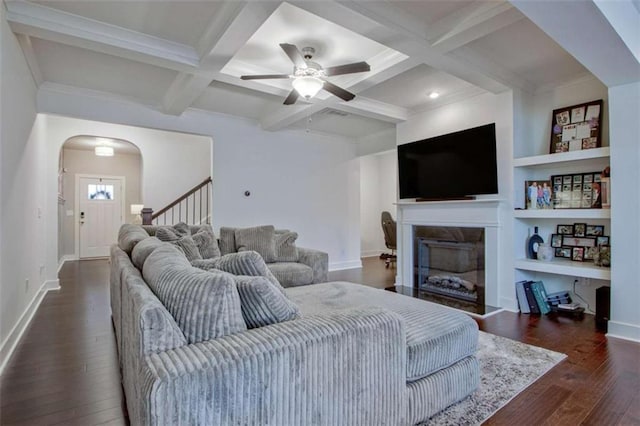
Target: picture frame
(602,241)
(590,253)
(579,229)
(556,240)
(573,241)
(576,127)
(576,191)
(577,254)
(605,192)
(565,229)
(564,252)
(538,194)
(594,231)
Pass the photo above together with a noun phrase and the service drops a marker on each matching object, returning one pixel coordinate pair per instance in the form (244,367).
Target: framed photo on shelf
(564,252)
(577,254)
(602,241)
(576,191)
(594,231)
(538,194)
(576,127)
(556,240)
(590,253)
(579,229)
(565,229)
(573,241)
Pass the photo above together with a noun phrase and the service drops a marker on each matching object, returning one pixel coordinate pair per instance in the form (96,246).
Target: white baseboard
(372,253)
(349,264)
(623,330)
(66,258)
(15,335)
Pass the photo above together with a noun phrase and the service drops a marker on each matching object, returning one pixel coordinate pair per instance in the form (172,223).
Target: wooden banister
(182,198)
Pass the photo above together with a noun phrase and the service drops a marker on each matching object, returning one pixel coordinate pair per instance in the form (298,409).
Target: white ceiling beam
(286,115)
(51,24)
(234,25)
(481,22)
(371,108)
(598,46)
(382,23)
(30,56)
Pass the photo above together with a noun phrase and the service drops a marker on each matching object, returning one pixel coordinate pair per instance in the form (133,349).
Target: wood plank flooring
(65,369)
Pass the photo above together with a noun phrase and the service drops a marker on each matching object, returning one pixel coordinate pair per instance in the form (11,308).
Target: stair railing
(193,208)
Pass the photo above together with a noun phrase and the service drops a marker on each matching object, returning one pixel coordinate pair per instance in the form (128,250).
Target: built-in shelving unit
(565,267)
(560,273)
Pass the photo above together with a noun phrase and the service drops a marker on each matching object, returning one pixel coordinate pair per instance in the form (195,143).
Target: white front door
(100,214)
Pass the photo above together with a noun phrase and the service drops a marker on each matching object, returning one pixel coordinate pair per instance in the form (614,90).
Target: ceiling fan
(309,77)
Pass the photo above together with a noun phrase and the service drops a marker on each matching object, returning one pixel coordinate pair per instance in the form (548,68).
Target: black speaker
(603,307)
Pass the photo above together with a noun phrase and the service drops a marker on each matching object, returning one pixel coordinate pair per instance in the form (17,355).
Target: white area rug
(507,367)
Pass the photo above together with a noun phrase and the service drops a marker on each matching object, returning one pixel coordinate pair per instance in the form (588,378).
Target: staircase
(193,208)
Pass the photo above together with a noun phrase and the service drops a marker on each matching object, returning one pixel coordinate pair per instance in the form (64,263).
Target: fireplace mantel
(483,212)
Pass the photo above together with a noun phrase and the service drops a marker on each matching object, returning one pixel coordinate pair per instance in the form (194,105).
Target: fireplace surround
(475,216)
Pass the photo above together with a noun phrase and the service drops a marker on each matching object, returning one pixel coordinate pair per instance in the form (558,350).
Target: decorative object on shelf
(577,191)
(603,256)
(545,252)
(605,188)
(533,244)
(538,194)
(579,242)
(576,127)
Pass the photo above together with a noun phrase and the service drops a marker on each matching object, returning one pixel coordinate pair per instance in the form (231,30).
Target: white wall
(298,180)
(473,112)
(624,108)
(86,162)
(378,193)
(23,209)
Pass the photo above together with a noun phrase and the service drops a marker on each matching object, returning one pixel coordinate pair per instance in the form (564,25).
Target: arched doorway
(99,183)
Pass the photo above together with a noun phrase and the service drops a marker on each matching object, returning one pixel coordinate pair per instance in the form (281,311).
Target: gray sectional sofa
(209,347)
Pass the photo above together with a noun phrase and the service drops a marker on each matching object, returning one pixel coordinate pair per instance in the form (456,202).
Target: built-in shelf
(562,157)
(563,214)
(565,267)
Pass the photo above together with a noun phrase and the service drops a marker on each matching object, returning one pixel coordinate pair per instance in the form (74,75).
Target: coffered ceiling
(175,55)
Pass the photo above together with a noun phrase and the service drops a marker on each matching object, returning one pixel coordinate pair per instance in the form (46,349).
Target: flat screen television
(451,166)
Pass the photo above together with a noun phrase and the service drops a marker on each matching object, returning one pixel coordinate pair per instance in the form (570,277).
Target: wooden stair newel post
(147,213)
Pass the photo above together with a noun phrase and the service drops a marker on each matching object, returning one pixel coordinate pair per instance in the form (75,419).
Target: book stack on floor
(533,299)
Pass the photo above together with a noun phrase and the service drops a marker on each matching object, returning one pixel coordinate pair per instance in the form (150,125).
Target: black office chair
(389,230)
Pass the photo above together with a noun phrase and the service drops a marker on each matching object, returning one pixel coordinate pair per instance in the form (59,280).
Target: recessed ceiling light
(434,95)
(104,151)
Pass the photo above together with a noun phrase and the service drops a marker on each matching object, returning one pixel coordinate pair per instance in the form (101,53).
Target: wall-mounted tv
(455,165)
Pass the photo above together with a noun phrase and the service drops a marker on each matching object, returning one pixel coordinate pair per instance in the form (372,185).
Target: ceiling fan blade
(292,98)
(263,76)
(294,54)
(347,68)
(338,91)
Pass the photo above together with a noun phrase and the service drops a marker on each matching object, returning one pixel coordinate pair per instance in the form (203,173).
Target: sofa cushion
(129,235)
(205,304)
(262,303)
(286,250)
(143,249)
(206,242)
(437,337)
(227,241)
(188,247)
(246,263)
(260,239)
(291,274)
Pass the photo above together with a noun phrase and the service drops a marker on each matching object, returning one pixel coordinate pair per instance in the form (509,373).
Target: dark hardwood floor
(65,370)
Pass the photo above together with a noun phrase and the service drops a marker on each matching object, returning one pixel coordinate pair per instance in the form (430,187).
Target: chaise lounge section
(344,354)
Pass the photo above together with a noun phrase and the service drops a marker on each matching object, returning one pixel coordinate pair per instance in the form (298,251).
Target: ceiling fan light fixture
(307,86)
(104,151)
(434,95)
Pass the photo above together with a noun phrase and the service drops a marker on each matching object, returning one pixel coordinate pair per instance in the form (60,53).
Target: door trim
(76,206)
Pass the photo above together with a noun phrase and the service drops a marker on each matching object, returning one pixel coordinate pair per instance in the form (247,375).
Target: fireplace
(470,245)
(449,262)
